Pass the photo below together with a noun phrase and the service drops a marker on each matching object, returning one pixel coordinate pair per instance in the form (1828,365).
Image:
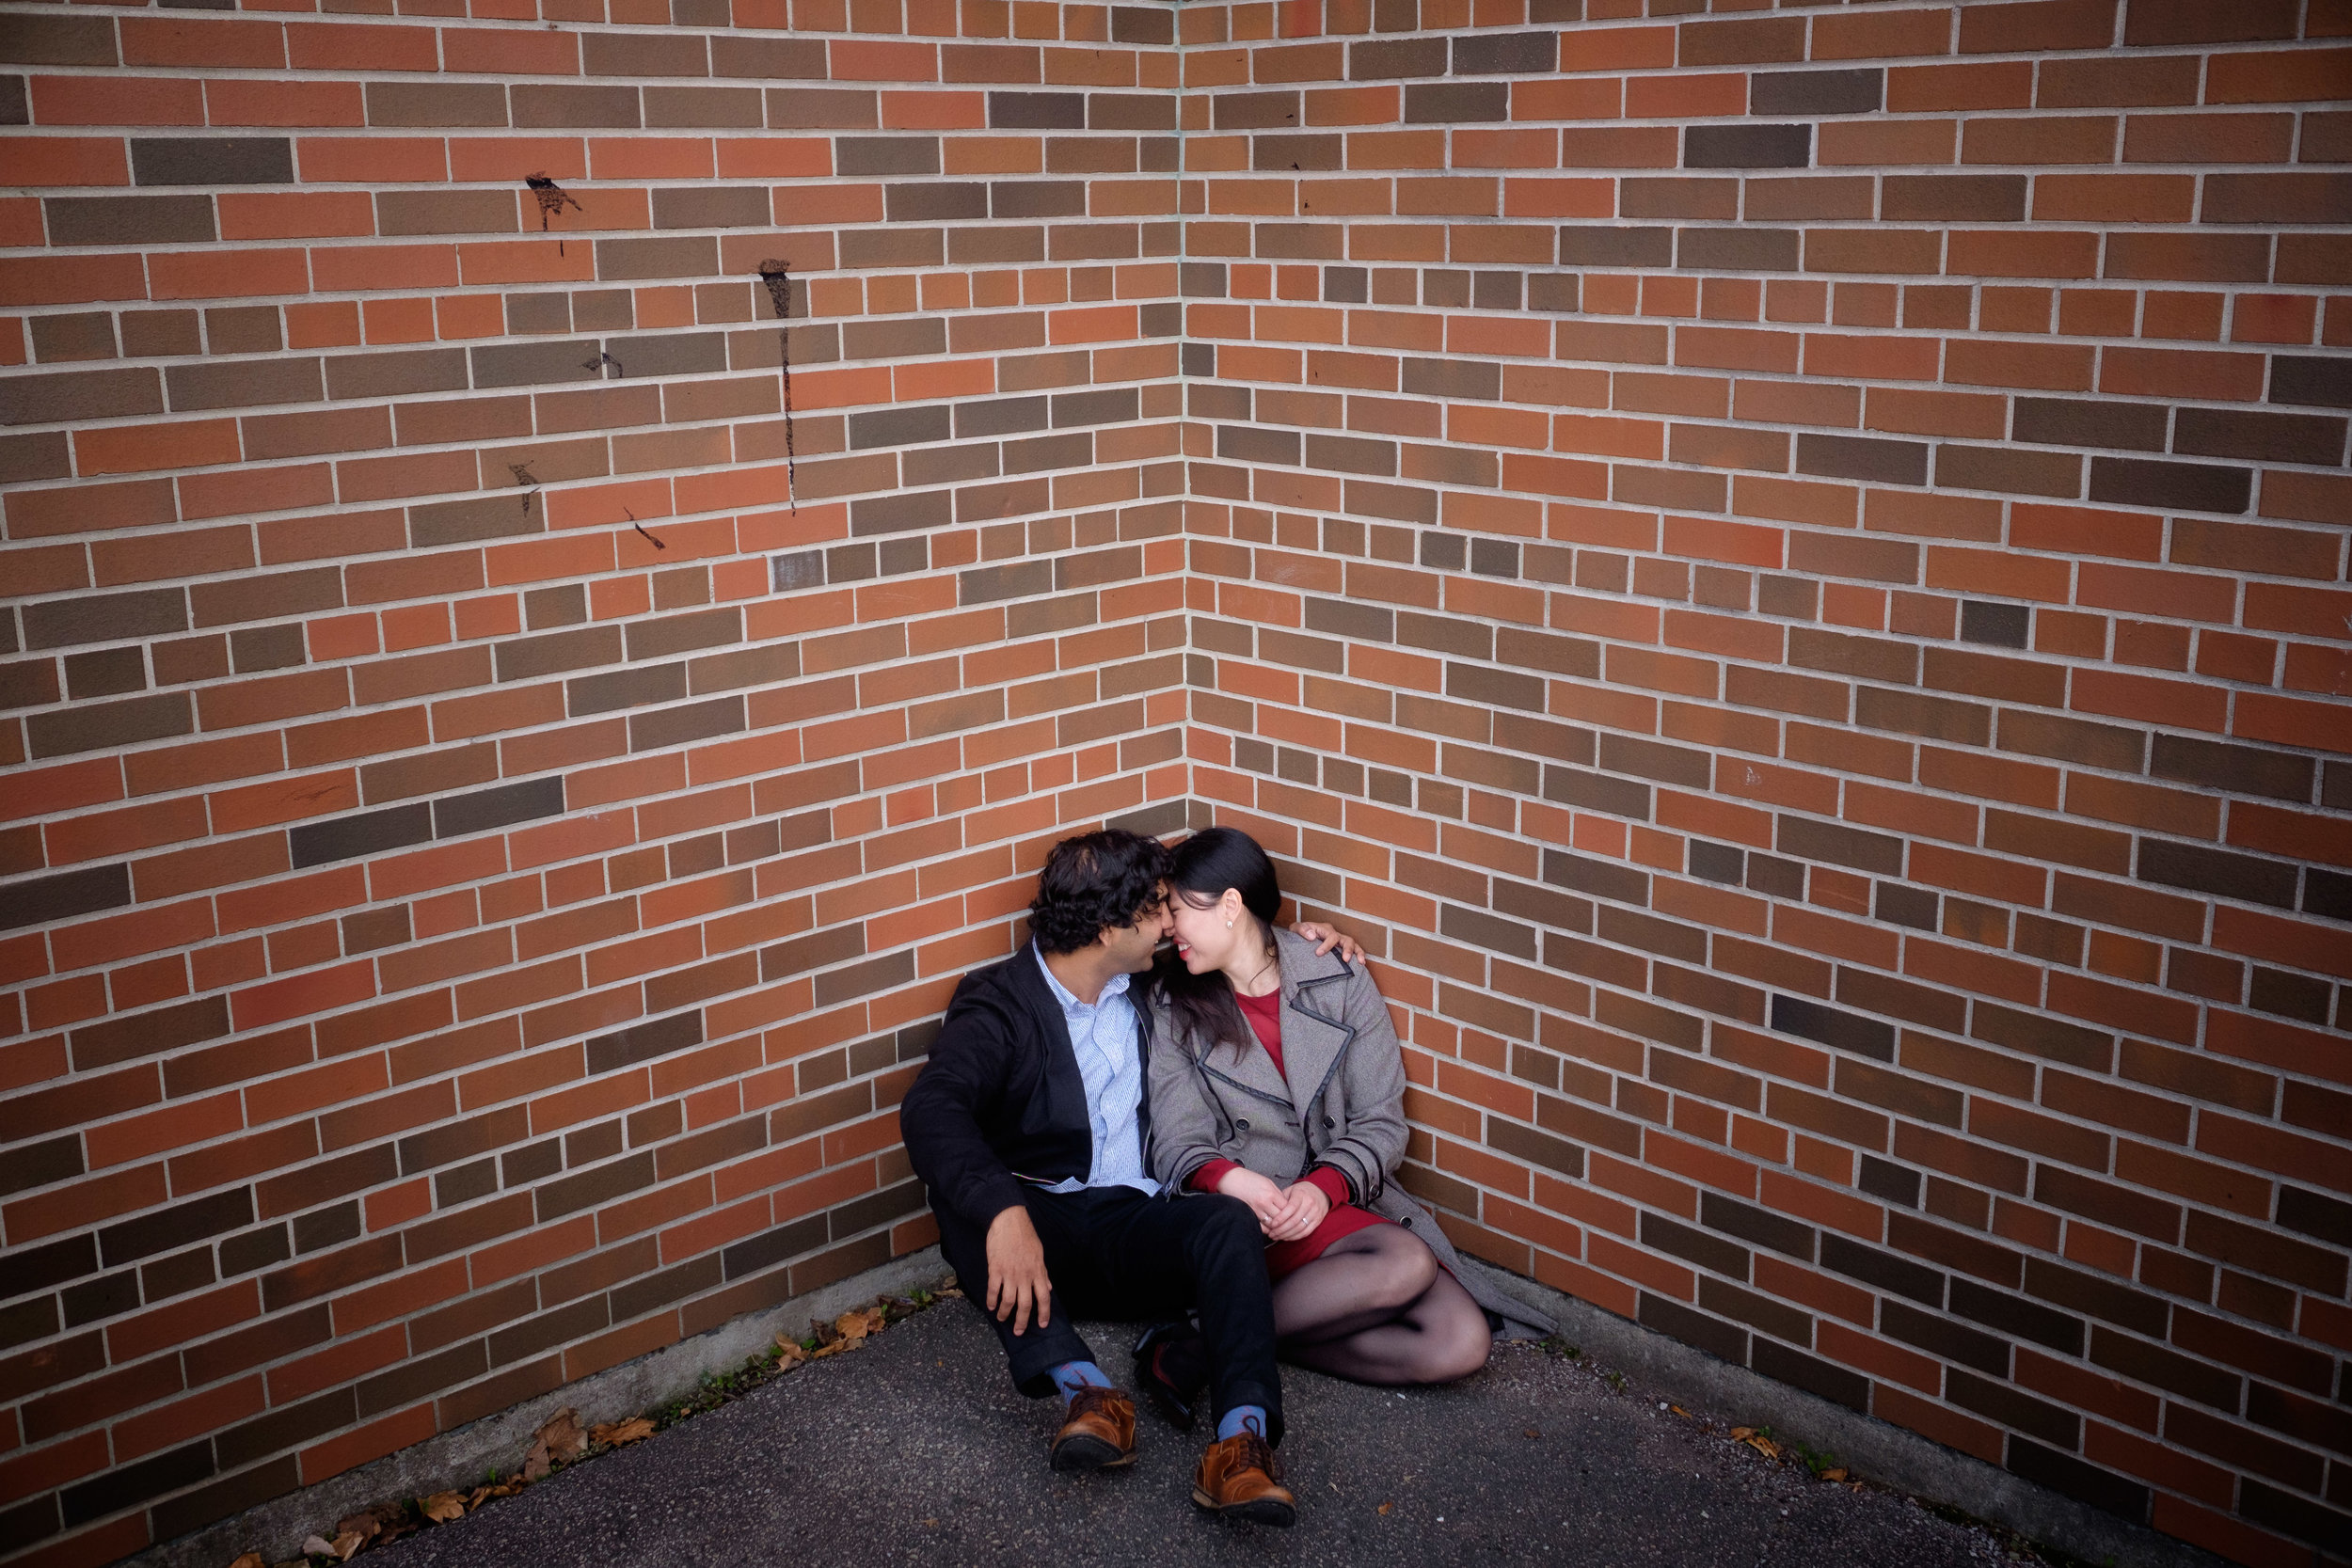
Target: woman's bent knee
(1460,1344)
(1417,1266)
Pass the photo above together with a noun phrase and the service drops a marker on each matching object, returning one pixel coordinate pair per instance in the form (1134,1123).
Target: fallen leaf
(1838,1474)
(442,1507)
(314,1547)
(1740,1434)
(562,1435)
(1385,1507)
(1764,1446)
(347,1545)
(535,1463)
(613,1433)
(360,1525)
(1533,1433)
(789,1353)
(250,1559)
(1679,1411)
(857,1326)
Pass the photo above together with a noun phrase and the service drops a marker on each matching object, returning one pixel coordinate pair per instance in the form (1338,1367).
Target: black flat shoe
(1168,1370)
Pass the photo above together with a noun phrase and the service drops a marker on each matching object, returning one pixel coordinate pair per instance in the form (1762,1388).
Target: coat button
(1329,1124)
(1241,1127)
(1406,1221)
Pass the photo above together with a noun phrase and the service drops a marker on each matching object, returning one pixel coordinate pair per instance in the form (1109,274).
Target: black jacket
(1001,1101)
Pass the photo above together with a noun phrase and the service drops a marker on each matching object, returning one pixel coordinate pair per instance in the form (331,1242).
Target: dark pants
(1113,1253)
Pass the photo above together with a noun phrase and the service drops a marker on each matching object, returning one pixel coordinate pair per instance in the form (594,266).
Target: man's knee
(1226,1229)
(1228,1218)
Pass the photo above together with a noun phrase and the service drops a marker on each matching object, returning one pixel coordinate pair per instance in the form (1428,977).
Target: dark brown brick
(43,398)
(1750,145)
(567,106)
(129,220)
(2258,436)
(1815,92)
(30,38)
(212,161)
(436,105)
(46,900)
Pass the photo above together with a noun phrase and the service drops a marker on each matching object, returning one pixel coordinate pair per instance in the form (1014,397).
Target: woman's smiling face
(1204,939)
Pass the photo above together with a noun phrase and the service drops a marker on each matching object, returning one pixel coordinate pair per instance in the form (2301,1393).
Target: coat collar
(1313,1036)
(1315,1033)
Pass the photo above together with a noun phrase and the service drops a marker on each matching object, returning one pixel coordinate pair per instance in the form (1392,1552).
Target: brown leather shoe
(1240,1478)
(1099,1432)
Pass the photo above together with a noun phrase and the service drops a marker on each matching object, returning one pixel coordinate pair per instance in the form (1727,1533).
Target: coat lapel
(1254,1074)
(1314,1037)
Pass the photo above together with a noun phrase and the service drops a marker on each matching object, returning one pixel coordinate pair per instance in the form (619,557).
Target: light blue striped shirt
(1110,1047)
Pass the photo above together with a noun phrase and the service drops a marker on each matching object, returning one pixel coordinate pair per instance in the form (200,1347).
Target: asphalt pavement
(916,1449)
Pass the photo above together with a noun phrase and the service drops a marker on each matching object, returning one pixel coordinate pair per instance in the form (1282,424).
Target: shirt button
(1241,1127)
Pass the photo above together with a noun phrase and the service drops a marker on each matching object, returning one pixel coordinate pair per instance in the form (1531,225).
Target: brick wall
(482,859)
(1784,571)
(1791,565)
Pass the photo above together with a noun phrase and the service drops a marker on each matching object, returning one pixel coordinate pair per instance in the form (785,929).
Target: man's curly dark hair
(1111,877)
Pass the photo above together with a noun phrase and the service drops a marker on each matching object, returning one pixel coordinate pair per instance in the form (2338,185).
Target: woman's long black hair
(1199,872)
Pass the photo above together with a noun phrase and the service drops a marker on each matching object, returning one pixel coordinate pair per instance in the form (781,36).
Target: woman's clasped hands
(1285,1213)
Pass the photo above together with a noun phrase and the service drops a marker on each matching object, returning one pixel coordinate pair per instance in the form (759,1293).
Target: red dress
(1264,1014)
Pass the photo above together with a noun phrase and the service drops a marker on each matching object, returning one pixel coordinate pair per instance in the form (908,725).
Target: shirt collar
(1114,985)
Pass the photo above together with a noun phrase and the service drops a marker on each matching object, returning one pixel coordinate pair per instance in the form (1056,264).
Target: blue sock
(1071,1376)
(1242,1418)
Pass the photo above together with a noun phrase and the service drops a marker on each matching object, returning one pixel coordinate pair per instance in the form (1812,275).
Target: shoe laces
(1090,1399)
(1257,1453)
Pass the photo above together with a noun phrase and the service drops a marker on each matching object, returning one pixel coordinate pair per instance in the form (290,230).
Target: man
(1028,1126)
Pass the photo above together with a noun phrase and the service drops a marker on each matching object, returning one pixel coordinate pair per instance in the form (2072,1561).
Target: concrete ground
(916,1449)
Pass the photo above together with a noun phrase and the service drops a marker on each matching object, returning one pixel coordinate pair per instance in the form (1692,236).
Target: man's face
(1131,945)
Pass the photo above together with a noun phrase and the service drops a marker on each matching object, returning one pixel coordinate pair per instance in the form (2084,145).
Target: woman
(1277,1079)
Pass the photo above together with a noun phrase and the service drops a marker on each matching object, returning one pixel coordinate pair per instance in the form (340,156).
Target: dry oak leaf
(442,1507)
(1838,1474)
(613,1433)
(559,1440)
(789,1353)
(361,1525)
(562,1436)
(857,1326)
(250,1559)
(347,1544)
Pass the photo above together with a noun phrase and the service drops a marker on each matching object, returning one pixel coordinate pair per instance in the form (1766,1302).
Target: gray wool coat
(1342,1106)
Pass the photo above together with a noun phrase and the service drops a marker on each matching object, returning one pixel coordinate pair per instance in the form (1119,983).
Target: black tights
(1375,1307)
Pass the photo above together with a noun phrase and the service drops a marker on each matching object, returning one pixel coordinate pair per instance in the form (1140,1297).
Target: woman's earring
(1229,925)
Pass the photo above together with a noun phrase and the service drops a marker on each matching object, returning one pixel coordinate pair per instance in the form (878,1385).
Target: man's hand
(1325,938)
(1017,1281)
(1304,1205)
(1264,1199)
